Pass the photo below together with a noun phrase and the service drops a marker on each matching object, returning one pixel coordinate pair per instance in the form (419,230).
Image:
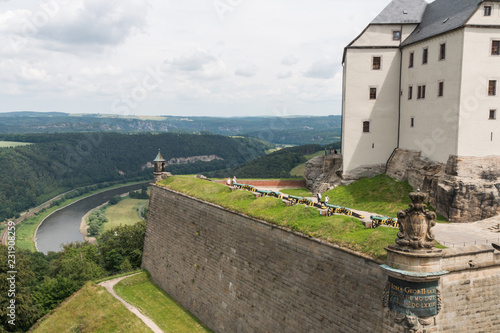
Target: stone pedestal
(426,261)
(414,268)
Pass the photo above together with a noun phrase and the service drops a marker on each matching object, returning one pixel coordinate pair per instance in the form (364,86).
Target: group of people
(318,195)
(229,183)
(331,152)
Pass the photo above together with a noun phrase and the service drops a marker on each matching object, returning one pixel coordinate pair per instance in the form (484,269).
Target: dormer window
(396,35)
(487,10)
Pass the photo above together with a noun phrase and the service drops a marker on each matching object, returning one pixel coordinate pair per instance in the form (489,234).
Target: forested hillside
(55,163)
(296,130)
(275,165)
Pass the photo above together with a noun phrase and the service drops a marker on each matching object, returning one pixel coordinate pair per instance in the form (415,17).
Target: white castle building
(422,77)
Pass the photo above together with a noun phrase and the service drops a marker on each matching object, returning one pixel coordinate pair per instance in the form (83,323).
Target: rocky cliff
(321,172)
(465,189)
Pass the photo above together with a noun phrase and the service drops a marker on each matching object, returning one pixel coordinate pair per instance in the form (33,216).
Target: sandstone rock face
(192,159)
(364,171)
(466,189)
(322,170)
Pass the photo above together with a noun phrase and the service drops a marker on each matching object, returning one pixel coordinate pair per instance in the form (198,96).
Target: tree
(114,261)
(114,200)
(127,240)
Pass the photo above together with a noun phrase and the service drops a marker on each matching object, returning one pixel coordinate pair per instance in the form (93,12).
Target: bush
(114,200)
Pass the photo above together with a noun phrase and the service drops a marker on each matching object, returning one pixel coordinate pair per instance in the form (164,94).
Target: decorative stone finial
(415,224)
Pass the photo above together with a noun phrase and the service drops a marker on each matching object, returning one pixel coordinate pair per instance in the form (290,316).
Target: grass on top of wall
(298,192)
(380,195)
(345,231)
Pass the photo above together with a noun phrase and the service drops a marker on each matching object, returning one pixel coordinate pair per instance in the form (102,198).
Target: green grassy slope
(151,300)
(91,309)
(381,194)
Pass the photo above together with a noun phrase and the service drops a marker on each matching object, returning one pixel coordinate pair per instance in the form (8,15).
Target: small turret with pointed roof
(159,169)
(159,158)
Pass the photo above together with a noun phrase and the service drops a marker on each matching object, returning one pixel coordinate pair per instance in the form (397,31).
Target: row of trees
(44,281)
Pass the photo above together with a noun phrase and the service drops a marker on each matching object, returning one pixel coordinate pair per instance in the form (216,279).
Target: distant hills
(296,130)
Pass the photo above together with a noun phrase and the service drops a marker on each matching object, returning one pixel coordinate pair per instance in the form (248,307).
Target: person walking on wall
(319,197)
(234,179)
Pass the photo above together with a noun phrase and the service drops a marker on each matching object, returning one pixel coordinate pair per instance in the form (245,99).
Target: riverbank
(84,226)
(27,228)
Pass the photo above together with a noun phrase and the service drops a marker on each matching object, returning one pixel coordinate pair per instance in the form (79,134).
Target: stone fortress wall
(240,274)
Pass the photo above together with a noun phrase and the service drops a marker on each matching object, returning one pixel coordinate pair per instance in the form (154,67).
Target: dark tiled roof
(401,12)
(441,16)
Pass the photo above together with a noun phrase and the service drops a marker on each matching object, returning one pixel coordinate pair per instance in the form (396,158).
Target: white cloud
(289,60)
(59,24)
(194,61)
(284,75)
(200,64)
(322,69)
(246,70)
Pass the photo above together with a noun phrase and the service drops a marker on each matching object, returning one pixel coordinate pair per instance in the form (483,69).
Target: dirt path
(109,287)
(139,211)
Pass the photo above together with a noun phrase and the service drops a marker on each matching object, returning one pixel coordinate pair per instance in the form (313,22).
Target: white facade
(439,103)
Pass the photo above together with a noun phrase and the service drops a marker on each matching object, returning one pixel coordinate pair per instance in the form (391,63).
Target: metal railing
(469,243)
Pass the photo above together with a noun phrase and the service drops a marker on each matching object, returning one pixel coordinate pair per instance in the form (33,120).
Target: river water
(63,226)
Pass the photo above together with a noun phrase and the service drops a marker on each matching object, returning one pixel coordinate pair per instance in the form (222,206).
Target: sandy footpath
(109,287)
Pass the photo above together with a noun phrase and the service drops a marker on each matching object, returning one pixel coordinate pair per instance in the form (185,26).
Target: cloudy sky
(177,57)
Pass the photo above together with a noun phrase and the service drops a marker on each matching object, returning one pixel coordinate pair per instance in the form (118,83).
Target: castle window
(495,47)
(440,89)
(442,51)
(487,10)
(410,92)
(493,115)
(373,93)
(410,64)
(412,122)
(396,35)
(376,62)
(492,87)
(421,92)
(425,54)
(366,127)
